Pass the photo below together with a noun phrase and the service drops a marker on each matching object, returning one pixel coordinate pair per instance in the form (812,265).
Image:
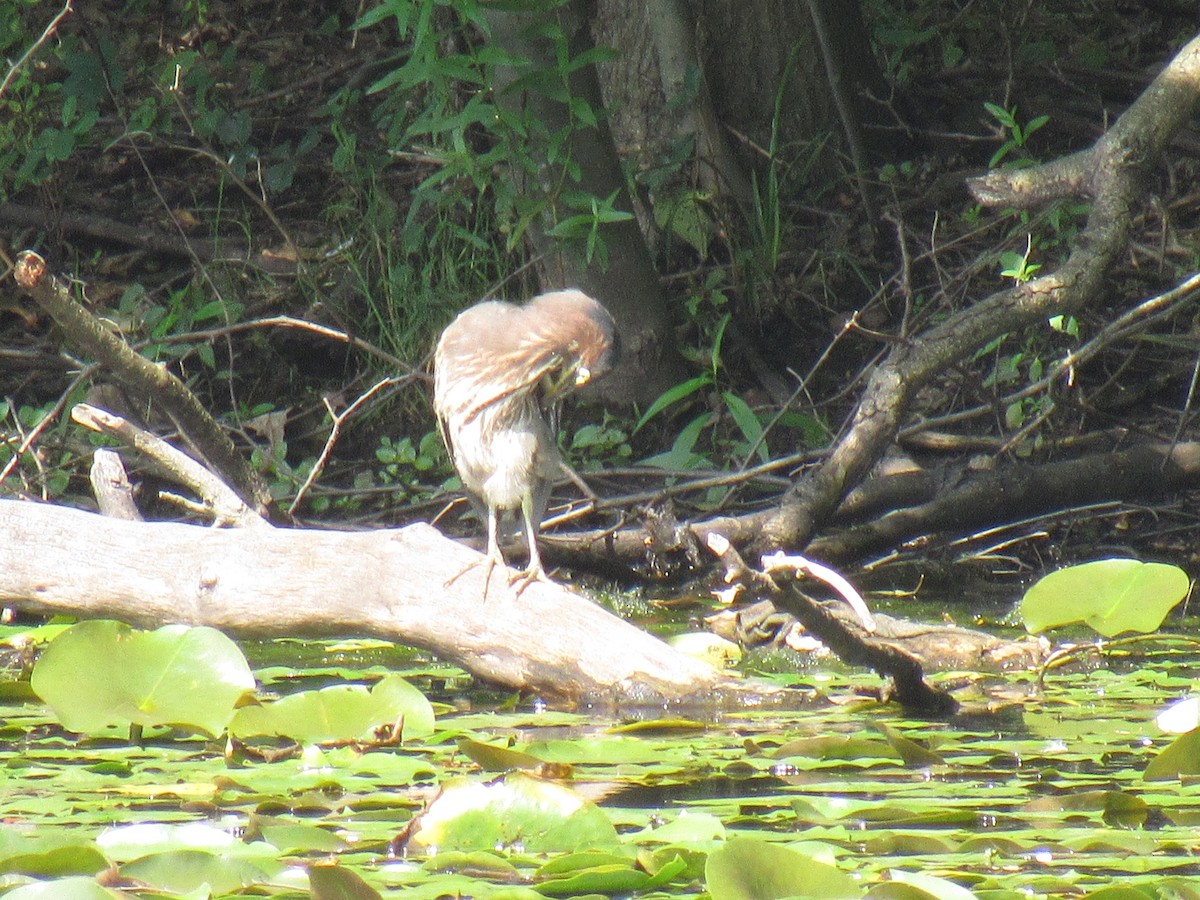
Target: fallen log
(391,584)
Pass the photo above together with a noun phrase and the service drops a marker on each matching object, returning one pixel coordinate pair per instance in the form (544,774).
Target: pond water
(1033,789)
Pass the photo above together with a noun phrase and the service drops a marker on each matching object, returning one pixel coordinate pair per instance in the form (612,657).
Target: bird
(500,372)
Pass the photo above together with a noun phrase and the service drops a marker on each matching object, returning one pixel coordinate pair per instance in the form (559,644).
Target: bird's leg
(494,556)
(534,571)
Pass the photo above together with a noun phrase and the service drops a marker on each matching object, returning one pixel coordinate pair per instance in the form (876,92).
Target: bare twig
(338,419)
(28,54)
(225,506)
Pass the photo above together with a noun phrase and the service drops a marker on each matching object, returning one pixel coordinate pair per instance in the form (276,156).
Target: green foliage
(1018,135)
(176,676)
(1017,265)
(597,445)
(444,102)
(706,440)
(1179,759)
(1110,595)
(45,469)
(407,466)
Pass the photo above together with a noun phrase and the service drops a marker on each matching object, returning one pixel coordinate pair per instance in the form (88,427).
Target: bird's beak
(561,383)
(583,376)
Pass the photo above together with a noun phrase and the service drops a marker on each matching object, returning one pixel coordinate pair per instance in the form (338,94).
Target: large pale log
(266,582)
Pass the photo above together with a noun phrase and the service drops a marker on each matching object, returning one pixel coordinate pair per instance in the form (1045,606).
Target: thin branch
(28,54)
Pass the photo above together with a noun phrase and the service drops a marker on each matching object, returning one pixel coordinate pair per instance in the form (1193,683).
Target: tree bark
(623,276)
(266,582)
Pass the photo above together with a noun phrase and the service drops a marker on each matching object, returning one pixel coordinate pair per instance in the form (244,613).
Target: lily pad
(343,712)
(519,812)
(64,889)
(750,869)
(1179,758)
(101,674)
(1110,595)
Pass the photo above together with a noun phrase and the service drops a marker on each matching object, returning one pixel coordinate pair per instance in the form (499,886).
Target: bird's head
(579,338)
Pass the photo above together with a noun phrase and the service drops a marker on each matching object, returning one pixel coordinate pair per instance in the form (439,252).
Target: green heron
(499,373)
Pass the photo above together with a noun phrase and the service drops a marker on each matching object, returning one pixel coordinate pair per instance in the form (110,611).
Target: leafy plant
(1017,265)
(595,445)
(1018,134)
(407,465)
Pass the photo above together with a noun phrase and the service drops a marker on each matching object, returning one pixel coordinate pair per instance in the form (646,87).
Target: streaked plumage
(499,372)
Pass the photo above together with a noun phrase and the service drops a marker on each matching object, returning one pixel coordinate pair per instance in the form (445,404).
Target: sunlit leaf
(904,885)
(127,842)
(101,674)
(672,395)
(1110,595)
(491,758)
(181,871)
(1180,717)
(750,869)
(64,889)
(912,753)
(518,811)
(343,712)
(293,837)
(339,883)
(1180,757)
(49,853)
(686,828)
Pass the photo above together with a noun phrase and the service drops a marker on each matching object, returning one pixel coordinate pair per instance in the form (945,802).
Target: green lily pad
(339,883)
(49,853)
(64,889)
(750,869)
(181,871)
(101,674)
(343,712)
(519,811)
(1110,595)
(1180,757)
(917,886)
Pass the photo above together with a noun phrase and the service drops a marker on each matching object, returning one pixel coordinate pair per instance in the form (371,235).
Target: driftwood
(1112,173)
(264,582)
(937,647)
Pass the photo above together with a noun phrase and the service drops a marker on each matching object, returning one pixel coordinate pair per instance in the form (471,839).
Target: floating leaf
(1178,758)
(1110,595)
(913,754)
(101,674)
(343,712)
(750,869)
(339,883)
(538,816)
(491,758)
(181,871)
(64,889)
(49,854)
(1180,717)
(918,886)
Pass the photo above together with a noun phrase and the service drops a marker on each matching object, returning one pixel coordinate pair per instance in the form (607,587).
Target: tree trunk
(622,274)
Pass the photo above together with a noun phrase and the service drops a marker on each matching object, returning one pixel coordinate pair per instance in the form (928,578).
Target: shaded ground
(272,155)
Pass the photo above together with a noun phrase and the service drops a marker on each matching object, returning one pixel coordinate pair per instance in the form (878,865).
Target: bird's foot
(490,565)
(521,580)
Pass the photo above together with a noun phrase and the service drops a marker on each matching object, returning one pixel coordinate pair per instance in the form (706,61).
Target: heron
(500,371)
